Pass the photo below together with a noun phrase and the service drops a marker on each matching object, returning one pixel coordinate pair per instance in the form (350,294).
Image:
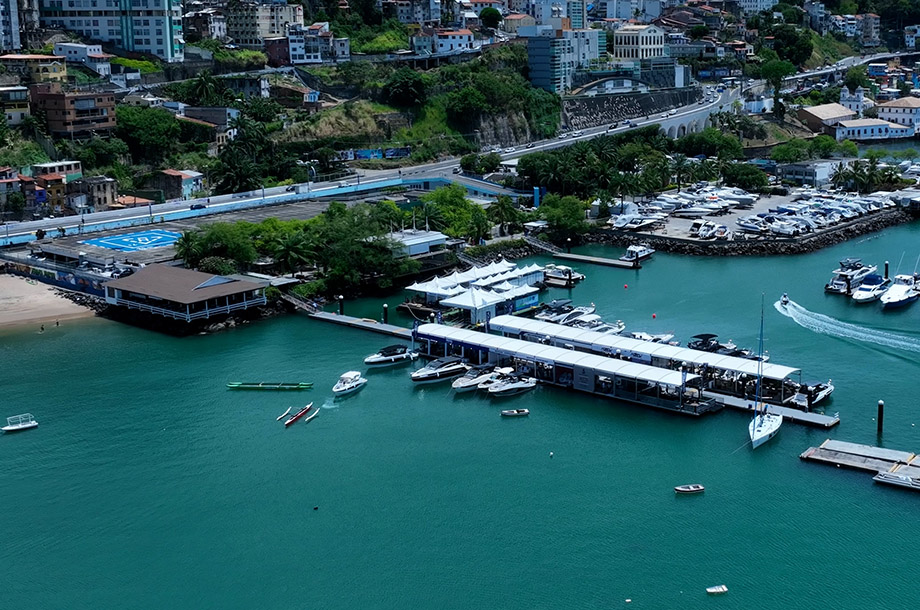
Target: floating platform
(891,466)
(795,416)
(597,260)
(364,324)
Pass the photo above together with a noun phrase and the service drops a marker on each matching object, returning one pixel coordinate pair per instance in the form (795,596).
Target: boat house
(677,391)
(720,373)
(183,294)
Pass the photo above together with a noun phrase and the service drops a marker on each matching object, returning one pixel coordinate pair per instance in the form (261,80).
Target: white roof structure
(448,285)
(477,298)
(604,343)
(516,348)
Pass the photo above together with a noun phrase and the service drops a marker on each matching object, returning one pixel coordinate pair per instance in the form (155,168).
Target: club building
(183,294)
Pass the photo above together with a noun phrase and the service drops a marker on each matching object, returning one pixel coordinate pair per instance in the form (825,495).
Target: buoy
(550,454)
(654,315)
(316,508)
(628,601)
(625,286)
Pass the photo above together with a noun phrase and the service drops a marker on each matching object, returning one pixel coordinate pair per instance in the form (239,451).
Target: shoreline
(23,304)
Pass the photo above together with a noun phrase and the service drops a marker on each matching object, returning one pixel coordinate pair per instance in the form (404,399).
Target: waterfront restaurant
(183,294)
(677,391)
(720,373)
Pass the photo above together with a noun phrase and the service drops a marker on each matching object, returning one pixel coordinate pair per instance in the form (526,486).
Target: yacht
(660,338)
(440,370)
(561,272)
(349,382)
(637,252)
(512,386)
(872,287)
(576,312)
(556,309)
(848,276)
(811,393)
(471,380)
(902,292)
(391,354)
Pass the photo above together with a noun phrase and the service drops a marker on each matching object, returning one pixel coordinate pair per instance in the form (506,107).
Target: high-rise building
(145,26)
(577,12)
(250,23)
(9,25)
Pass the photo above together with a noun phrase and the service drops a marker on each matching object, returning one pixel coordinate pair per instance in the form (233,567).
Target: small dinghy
(285,414)
(717,590)
(689,489)
(515,412)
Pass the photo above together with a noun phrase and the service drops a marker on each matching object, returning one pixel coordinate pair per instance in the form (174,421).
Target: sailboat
(764,424)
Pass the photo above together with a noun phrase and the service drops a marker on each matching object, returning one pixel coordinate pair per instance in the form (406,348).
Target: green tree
(236,172)
(470,163)
(698,31)
(406,88)
(217,265)
(292,252)
(490,17)
(503,212)
(842,175)
(774,72)
(793,151)
(15,206)
(565,217)
(848,148)
(680,168)
(857,76)
(745,176)
(188,248)
(823,147)
(150,133)
(489,163)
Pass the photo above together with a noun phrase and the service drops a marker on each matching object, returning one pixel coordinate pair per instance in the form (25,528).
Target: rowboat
(717,590)
(266,385)
(298,415)
(689,489)
(515,413)
(283,415)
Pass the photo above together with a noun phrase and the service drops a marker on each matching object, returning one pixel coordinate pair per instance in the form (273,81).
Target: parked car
(529,145)
(576,134)
(510,149)
(197,206)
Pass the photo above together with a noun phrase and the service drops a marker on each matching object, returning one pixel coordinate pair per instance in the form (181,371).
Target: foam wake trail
(826,325)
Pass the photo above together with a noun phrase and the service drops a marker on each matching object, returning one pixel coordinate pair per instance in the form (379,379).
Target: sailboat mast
(759,393)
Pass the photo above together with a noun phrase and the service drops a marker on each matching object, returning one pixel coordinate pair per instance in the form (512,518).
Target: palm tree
(873,174)
(205,88)
(680,167)
(860,176)
(503,212)
(842,175)
(291,251)
(188,248)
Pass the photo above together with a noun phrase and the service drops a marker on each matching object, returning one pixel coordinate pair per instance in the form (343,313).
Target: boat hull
(349,390)
(763,428)
(382,361)
(19,428)
(437,377)
(516,413)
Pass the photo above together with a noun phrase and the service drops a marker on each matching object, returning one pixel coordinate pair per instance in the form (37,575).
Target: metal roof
(537,352)
(604,343)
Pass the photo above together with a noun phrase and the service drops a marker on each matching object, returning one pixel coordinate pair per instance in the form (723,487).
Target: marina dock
(597,260)
(795,416)
(365,324)
(891,466)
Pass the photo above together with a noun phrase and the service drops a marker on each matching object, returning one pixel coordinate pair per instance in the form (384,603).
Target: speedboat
(576,312)
(561,272)
(872,287)
(689,489)
(643,336)
(391,354)
(811,393)
(512,386)
(440,369)
(784,300)
(848,276)
(515,413)
(556,309)
(637,252)
(349,382)
(902,292)
(475,376)
(18,423)
(751,224)
(691,212)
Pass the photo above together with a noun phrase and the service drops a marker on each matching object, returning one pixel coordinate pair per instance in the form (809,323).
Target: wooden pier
(597,260)
(364,324)
(795,416)
(891,466)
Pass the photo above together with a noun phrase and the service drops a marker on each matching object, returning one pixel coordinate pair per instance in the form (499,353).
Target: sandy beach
(22,303)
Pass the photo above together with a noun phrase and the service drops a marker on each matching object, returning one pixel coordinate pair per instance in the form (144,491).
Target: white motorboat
(512,386)
(576,312)
(848,276)
(500,376)
(637,252)
(516,413)
(691,212)
(17,423)
(810,394)
(475,376)
(751,224)
(764,425)
(872,287)
(708,230)
(556,309)
(903,292)
(391,354)
(440,370)
(561,272)
(661,338)
(349,382)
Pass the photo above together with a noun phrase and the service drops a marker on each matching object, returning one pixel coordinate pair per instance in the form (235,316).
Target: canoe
(718,589)
(298,415)
(689,489)
(266,385)
(283,415)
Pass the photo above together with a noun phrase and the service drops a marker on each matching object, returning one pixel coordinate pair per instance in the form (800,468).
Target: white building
(638,42)
(642,10)
(872,129)
(856,101)
(9,25)
(250,23)
(89,55)
(454,40)
(546,10)
(911,33)
(147,26)
(749,7)
(904,111)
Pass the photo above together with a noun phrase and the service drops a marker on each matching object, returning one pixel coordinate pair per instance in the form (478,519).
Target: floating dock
(795,416)
(365,324)
(597,260)
(891,466)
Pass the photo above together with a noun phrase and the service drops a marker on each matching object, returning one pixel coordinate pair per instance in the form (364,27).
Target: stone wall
(598,110)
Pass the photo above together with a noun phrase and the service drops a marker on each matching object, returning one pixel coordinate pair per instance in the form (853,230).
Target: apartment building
(89,55)
(554,58)
(145,26)
(14,103)
(250,23)
(638,42)
(207,23)
(903,111)
(35,68)
(9,25)
(73,114)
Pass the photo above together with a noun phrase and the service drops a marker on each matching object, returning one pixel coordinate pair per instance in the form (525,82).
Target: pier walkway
(597,260)
(891,466)
(789,415)
(364,324)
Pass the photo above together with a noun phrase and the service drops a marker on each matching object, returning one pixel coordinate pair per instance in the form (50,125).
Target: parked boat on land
(848,276)
(440,370)
(637,252)
(349,382)
(689,489)
(268,385)
(903,292)
(512,386)
(18,423)
(298,415)
(390,355)
(515,412)
(872,287)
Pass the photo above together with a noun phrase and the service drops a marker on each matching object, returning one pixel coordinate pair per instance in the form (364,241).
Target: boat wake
(827,325)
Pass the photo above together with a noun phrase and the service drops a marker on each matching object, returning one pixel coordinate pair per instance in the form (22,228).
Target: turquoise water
(149,485)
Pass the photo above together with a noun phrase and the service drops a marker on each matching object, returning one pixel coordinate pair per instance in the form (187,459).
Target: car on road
(614,125)
(576,134)
(701,102)
(672,112)
(509,150)
(197,206)
(563,136)
(529,145)
(457,170)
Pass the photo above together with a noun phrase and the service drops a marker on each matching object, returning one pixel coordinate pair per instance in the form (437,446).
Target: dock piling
(568,245)
(386,313)
(341,299)
(886,270)
(881,416)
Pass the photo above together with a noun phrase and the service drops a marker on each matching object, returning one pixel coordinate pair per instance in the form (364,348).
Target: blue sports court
(134,242)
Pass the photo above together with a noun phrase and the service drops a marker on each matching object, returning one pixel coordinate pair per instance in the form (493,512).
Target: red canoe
(298,415)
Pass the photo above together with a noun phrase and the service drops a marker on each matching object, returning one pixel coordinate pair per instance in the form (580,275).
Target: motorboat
(901,293)
(576,312)
(705,342)
(349,382)
(692,211)
(440,370)
(708,230)
(390,355)
(298,415)
(637,252)
(512,386)
(18,423)
(717,590)
(561,272)
(751,224)
(516,413)
(784,300)
(784,228)
(499,376)
(848,276)
(872,287)
(475,376)
(666,338)
(689,489)
(722,233)
(811,393)
(556,309)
